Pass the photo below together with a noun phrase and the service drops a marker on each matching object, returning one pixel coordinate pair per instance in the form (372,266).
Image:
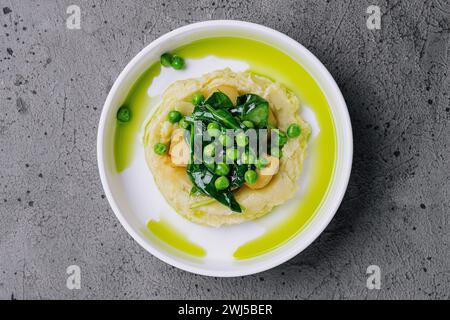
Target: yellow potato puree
(171,177)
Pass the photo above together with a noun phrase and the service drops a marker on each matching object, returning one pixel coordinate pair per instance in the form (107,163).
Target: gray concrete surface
(53,212)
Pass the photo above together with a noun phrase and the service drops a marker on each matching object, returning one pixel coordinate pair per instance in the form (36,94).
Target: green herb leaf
(224,117)
(200,113)
(237,176)
(251,107)
(219,100)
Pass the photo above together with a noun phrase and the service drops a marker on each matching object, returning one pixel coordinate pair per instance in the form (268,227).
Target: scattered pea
(232,154)
(247,158)
(225,140)
(166,59)
(124,114)
(251,176)
(222,169)
(222,183)
(174,116)
(280,137)
(241,139)
(276,152)
(160,149)
(261,163)
(177,63)
(184,123)
(197,99)
(213,129)
(209,150)
(294,130)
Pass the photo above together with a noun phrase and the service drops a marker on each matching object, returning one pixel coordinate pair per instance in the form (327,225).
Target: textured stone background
(53,212)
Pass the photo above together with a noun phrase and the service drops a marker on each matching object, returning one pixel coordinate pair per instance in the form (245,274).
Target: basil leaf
(237,176)
(200,113)
(219,100)
(224,117)
(252,107)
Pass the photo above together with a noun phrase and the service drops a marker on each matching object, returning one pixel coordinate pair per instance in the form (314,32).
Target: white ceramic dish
(130,208)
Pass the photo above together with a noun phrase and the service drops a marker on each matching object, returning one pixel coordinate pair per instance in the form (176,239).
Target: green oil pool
(173,237)
(127,134)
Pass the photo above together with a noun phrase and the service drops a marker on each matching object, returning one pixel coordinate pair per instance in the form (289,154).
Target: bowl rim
(347,165)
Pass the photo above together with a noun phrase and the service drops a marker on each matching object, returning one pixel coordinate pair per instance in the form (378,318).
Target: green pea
(184,123)
(251,176)
(177,63)
(209,150)
(225,140)
(222,183)
(213,129)
(213,125)
(248,124)
(222,169)
(197,99)
(174,116)
(166,59)
(160,149)
(280,136)
(247,158)
(232,154)
(294,130)
(241,139)
(261,163)
(276,152)
(124,114)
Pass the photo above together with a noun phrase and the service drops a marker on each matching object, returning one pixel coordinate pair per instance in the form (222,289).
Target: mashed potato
(174,183)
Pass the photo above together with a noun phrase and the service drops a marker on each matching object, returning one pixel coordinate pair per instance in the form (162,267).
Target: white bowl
(180,37)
